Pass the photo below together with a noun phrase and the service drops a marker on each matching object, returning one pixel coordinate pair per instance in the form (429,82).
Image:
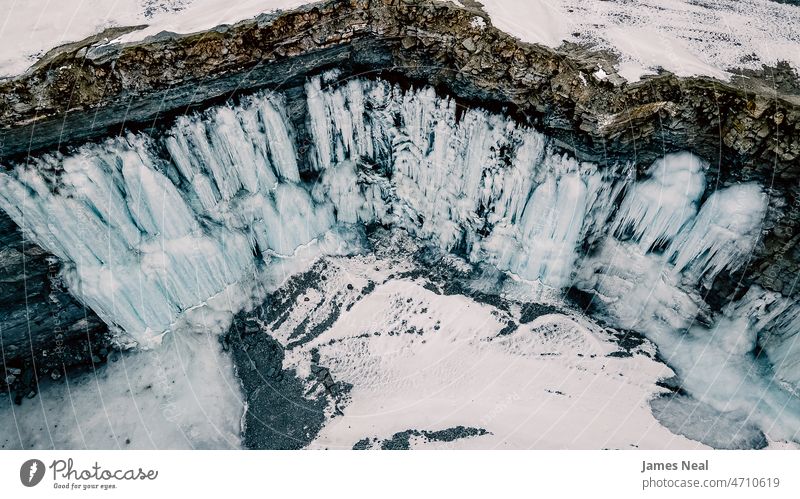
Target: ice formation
(148,237)
(656,209)
(151,228)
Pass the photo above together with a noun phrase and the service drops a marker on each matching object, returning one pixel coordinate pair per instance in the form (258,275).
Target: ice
(656,209)
(781,344)
(146,238)
(724,232)
(134,249)
(182,394)
(356,199)
(543,246)
(298,221)
(497,190)
(770,320)
(281,148)
(631,276)
(655,292)
(686,416)
(717,364)
(319,116)
(633,287)
(453,177)
(731,383)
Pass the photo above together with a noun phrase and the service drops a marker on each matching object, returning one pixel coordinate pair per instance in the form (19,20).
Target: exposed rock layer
(43,329)
(742,124)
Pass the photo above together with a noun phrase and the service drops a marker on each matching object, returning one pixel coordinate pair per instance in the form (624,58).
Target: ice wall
(149,233)
(461,178)
(152,227)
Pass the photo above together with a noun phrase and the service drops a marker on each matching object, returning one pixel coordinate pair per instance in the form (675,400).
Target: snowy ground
(29,28)
(425,361)
(686,37)
(429,361)
(708,37)
(422,351)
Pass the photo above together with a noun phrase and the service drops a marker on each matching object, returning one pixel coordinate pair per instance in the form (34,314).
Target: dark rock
(402,440)
(362,444)
(279,414)
(42,327)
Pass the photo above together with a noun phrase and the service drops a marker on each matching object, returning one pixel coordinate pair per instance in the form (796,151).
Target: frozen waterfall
(150,227)
(146,236)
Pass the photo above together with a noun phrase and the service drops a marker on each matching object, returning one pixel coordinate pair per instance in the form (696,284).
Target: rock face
(746,129)
(43,329)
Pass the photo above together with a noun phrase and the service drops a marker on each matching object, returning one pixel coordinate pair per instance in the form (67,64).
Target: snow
(28,29)
(644,51)
(458,378)
(182,394)
(687,38)
(682,36)
(535,21)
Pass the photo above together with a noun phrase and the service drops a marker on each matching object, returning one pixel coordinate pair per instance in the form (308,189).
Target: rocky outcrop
(44,331)
(749,126)
(747,129)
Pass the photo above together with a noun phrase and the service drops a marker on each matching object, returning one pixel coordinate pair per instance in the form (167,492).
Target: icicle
(723,233)
(768,319)
(276,129)
(656,209)
(320,127)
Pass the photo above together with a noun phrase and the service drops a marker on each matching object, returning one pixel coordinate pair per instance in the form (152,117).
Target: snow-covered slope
(182,395)
(403,354)
(424,360)
(415,360)
(28,29)
(708,37)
